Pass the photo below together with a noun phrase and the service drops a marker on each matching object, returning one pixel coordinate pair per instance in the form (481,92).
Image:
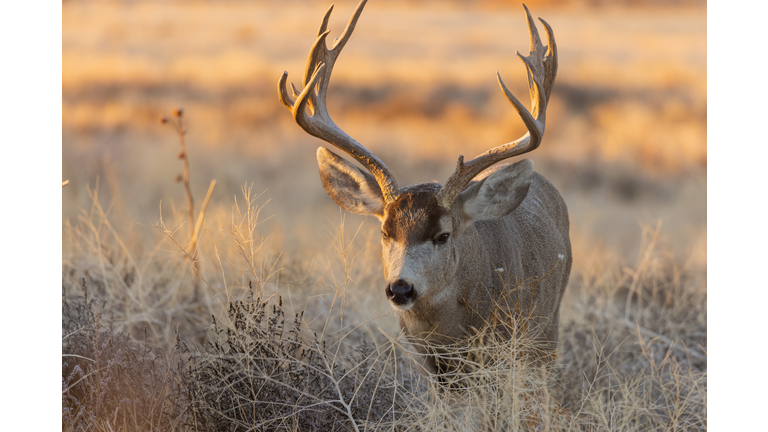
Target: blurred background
(625,144)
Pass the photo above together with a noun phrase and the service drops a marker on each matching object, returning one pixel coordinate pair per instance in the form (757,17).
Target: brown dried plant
(194,229)
(642,371)
(177,123)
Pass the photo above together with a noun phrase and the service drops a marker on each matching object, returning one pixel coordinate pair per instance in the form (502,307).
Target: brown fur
(413,217)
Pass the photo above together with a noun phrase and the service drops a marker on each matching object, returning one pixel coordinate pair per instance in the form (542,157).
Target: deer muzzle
(400,293)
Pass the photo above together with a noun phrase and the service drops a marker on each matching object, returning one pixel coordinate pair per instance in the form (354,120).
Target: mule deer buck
(450,251)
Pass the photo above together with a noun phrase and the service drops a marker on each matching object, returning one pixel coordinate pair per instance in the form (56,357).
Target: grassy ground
(625,145)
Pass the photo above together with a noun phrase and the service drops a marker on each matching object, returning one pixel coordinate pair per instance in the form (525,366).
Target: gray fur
(354,190)
(523,230)
(498,194)
(506,218)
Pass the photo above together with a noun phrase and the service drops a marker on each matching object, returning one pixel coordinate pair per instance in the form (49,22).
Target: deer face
(417,247)
(422,242)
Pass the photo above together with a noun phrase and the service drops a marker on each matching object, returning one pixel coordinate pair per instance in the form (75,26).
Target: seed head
(178,178)
(178,112)
(163,120)
(181,155)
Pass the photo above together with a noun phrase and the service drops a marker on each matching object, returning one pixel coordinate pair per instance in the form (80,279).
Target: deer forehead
(415,217)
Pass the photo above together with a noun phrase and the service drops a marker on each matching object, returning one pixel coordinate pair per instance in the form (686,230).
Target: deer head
(423,226)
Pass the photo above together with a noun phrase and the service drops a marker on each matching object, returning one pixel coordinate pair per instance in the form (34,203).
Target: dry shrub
(496,383)
(146,289)
(257,371)
(635,358)
(109,381)
(261,372)
(625,382)
(632,353)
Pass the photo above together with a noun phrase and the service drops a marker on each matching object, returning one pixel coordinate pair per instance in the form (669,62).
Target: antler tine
(317,75)
(324,22)
(318,55)
(533,33)
(541,66)
(525,115)
(338,45)
(550,59)
(282,92)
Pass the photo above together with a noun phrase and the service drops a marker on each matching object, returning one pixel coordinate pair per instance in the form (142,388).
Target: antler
(541,65)
(317,74)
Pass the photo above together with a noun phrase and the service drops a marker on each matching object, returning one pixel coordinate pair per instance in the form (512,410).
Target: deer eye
(442,238)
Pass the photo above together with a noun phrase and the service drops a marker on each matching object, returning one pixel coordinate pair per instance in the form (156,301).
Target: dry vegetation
(274,317)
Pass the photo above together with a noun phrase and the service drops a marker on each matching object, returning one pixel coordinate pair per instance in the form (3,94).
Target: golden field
(625,144)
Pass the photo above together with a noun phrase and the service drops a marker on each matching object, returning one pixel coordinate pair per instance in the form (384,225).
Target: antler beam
(317,75)
(541,65)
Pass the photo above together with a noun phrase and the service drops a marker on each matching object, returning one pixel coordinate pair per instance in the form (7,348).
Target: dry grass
(626,146)
(297,345)
(108,379)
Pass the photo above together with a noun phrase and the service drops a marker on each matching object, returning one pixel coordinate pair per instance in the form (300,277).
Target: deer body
(490,268)
(488,264)
(492,243)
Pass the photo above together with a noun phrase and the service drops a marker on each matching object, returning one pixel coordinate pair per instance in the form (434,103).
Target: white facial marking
(423,265)
(402,308)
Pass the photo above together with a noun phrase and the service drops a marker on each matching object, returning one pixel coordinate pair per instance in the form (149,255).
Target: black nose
(400,292)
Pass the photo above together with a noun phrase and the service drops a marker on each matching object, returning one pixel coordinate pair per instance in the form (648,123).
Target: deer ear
(498,194)
(354,190)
